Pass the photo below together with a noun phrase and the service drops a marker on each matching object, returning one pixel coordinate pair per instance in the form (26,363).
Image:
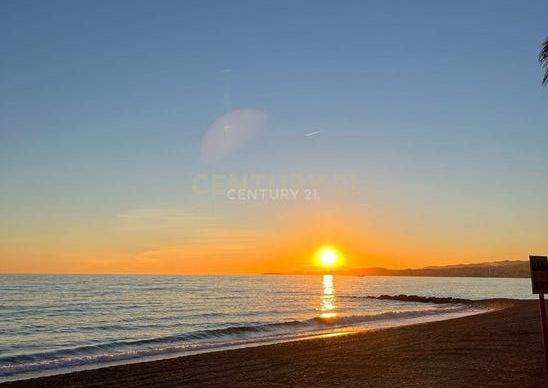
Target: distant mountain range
(497,269)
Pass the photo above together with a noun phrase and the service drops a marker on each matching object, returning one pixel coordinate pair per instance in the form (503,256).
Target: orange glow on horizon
(284,239)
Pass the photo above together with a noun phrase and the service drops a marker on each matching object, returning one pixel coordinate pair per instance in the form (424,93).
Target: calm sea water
(54,323)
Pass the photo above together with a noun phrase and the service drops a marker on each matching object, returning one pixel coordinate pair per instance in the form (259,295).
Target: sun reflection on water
(327,301)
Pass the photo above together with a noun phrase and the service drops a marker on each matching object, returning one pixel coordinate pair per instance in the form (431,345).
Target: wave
(421,299)
(202,340)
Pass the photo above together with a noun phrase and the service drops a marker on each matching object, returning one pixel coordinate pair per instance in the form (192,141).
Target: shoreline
(470,307)
(185,370)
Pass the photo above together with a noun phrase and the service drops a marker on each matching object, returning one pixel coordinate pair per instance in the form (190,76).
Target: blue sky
(436,107)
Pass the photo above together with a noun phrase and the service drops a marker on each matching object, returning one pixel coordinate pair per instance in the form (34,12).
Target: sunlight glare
(328,257)
(327,305)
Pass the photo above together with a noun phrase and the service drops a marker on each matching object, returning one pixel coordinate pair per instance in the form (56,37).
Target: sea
(52,324)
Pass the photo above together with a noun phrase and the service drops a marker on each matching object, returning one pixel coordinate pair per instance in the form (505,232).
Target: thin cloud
(162,219)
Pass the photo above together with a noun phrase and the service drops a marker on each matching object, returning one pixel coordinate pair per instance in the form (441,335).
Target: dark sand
(497,349)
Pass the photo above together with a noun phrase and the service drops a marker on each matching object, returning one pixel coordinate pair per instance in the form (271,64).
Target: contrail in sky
(312,133)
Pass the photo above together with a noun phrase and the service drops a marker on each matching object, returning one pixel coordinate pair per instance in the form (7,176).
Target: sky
(140,136)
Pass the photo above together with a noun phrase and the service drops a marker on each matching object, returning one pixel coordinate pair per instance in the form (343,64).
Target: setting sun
(328,257)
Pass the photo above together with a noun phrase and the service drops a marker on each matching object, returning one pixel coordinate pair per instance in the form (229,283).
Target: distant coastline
(496,269)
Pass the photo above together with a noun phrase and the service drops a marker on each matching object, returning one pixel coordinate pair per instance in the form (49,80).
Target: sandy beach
(501,348)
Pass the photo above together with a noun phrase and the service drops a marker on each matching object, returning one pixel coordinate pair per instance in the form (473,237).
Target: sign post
(539,281)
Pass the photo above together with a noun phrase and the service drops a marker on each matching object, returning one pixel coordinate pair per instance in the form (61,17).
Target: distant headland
(496,269)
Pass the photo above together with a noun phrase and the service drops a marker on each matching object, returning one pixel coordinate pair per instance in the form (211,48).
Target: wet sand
(501,348)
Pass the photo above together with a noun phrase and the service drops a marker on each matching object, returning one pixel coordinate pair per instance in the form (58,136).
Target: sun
(328,257)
